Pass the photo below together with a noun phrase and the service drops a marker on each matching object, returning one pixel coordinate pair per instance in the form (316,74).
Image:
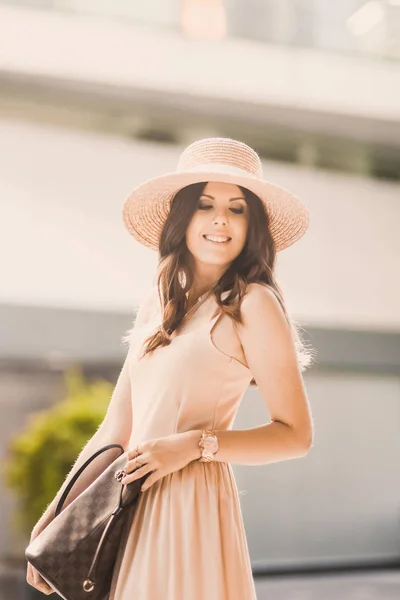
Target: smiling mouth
(217,241)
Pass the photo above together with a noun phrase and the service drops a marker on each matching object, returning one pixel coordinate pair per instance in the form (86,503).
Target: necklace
(199,300)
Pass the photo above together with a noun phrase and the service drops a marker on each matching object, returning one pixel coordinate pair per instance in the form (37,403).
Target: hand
(33,576)
(161,456)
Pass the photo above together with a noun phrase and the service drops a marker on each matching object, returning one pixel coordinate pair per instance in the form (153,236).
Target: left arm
(270,352)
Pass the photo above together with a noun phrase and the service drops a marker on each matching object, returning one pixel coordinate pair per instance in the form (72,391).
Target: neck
(195,296)
(204,278)
(198,289)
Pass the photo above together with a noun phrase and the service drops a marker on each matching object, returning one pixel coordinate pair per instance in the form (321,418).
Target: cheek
(194,228)
(240,231)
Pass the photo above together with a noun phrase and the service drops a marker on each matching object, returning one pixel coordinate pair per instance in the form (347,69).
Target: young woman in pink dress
(214,323)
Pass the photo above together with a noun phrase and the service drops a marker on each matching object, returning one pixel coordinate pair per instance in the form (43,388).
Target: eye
(237,211)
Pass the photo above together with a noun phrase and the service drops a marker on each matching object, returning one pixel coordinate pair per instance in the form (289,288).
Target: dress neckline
(187,318)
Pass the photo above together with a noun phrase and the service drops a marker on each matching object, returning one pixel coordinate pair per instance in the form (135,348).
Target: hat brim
(147,206)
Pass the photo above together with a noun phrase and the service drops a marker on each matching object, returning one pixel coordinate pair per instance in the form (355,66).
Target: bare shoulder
(263,318)
(260,299)
(259,290)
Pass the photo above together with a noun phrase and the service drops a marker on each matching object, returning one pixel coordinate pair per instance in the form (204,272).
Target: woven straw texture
(214,159)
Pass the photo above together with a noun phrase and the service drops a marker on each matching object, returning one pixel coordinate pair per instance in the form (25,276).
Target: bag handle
(79,472)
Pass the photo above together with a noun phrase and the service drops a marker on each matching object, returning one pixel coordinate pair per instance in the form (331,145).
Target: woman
(215,323)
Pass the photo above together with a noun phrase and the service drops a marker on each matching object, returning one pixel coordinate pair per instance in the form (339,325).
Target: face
(221,211)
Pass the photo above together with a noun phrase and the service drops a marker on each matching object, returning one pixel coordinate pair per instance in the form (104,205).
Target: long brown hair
(255,263)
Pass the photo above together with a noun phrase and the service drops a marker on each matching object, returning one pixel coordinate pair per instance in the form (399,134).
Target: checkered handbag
(76,552)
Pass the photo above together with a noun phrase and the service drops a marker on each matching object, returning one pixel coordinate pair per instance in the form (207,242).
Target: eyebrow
(230,199)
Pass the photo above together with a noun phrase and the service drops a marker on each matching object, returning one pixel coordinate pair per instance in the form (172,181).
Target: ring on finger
(137,453)
(138,464)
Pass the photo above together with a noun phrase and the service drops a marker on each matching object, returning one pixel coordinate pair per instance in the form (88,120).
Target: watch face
(210,444)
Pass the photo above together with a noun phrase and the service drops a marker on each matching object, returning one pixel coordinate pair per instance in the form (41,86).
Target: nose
(220,218)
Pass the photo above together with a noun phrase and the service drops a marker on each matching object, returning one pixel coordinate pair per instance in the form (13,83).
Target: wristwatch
(209,445)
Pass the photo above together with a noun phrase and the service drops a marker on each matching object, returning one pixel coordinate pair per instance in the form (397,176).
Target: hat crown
(220,151)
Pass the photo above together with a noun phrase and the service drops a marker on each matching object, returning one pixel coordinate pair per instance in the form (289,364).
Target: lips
(217,242)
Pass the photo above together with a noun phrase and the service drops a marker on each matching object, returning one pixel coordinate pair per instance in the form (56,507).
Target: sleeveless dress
(187,539)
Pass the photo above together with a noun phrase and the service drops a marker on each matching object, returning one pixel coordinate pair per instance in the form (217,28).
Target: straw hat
(213,159)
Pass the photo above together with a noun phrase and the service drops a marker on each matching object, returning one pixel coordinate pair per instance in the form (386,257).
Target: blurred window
(364,27)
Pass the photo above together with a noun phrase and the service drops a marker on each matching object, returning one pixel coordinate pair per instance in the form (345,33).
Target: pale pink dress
(187,540)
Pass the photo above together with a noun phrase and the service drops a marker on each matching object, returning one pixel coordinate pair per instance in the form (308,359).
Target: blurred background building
(96,97)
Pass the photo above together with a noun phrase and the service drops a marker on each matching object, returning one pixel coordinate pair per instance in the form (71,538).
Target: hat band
(220,168)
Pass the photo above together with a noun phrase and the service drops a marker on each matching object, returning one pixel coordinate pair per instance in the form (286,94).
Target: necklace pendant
(198,301)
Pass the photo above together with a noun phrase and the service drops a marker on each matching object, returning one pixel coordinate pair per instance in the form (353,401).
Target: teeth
(213,238)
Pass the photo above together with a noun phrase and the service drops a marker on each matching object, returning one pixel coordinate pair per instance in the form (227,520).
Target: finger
(133,464)
(150,480)
(47,591)
(136,474)
(50,591)
(29,574)
(36,579)
(134,452)
(42,586)
(45,588)
(39,582)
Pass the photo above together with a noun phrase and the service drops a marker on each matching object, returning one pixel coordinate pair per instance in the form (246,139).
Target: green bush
(40,457)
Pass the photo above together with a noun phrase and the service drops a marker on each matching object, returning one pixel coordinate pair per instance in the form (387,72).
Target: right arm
(115,428)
